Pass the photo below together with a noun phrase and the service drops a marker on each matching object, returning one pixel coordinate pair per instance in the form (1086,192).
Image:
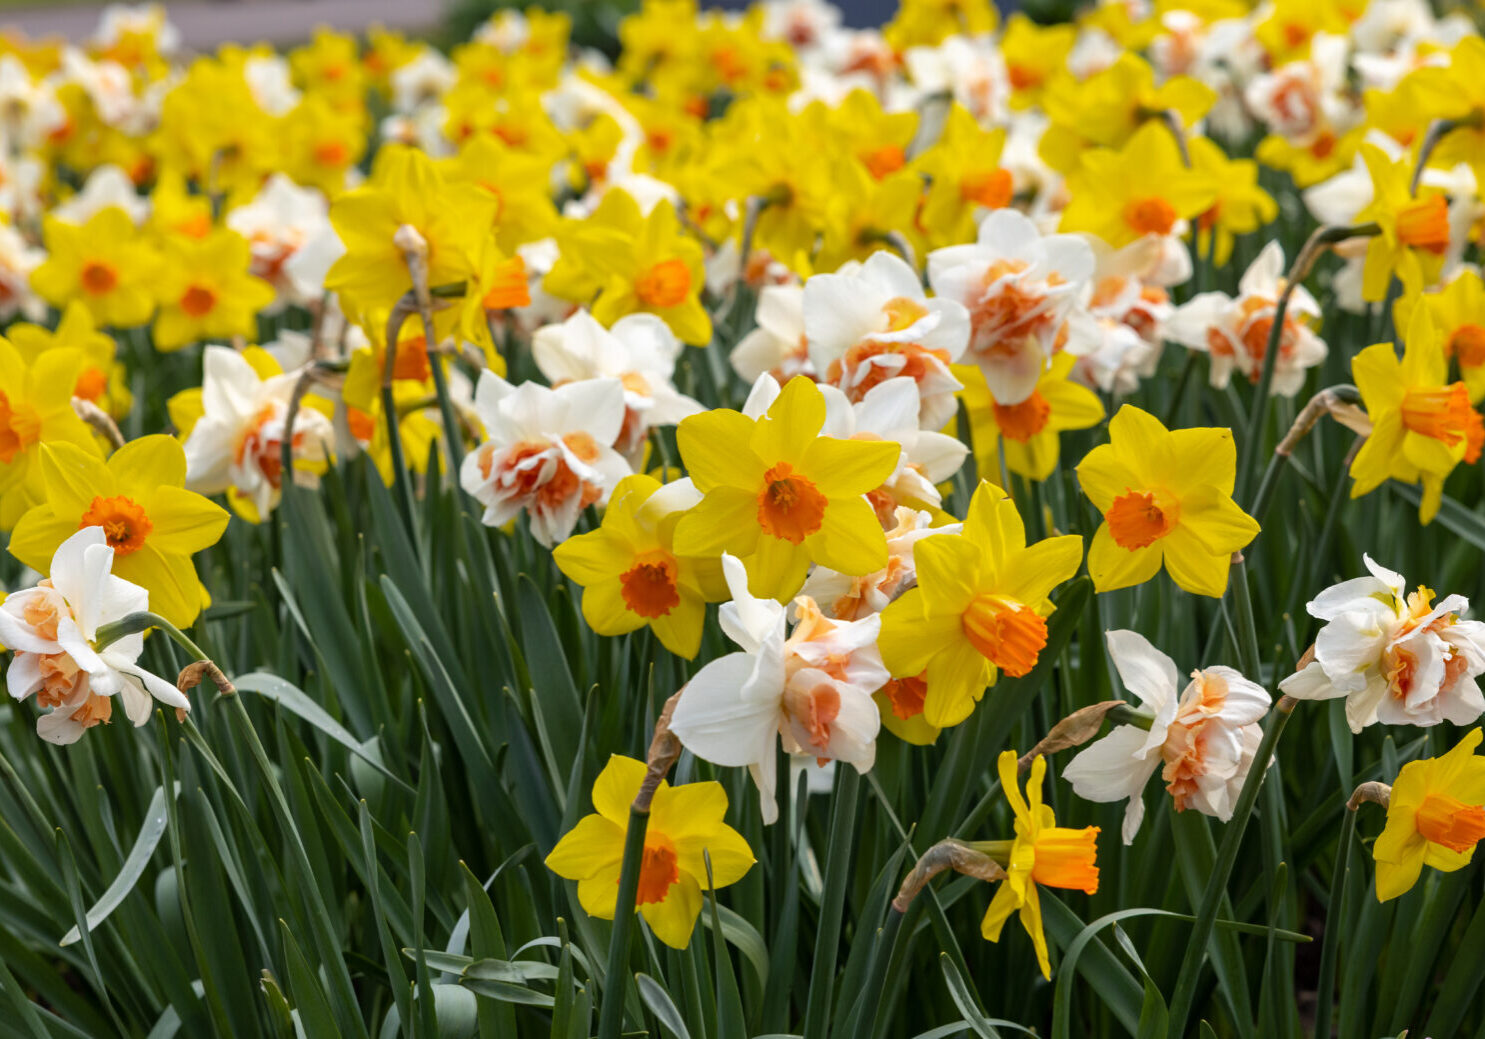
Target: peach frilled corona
(1166,499)
(1042,853)
(685,822)
(779,495)
(980,608)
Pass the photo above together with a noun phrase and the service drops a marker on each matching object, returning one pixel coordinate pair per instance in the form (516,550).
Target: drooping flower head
(53,631)
(1042,853)
(1435,817)
(685,829)
(1166,499)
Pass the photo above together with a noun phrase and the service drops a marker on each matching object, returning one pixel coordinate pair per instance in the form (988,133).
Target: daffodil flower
(872,322)
(685,830)
(1414,229)
(235,445)
(1458,314)
(1396,657)
(980,607)
(1435,817)
(1018,287)
(811,690)
(547,452)
(1422,425)
(53,631)
(138,496)
(35,409)
(105,263)
(1042,853)
(779,494)
(1166,499)
(1029,429)
(631,576)
(1204,738)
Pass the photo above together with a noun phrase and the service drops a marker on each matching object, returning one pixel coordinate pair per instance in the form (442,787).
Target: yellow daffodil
(206,292)
(630,574)
(35,409)
(212,128)
(1030,429)
(964,178)
(685,829)
(1435,817)
(779,495)
(320,143)
(517,183)
(330,67)
(152,523)
(1142,189)
(1414,230)
(1042,853)
(102,379)
(1166,498)
(1422,425)
(1033,55)
(105,264)
(1455,90)
(405,188)
(927,23)
(1311,159)
(980,607)
(175,211)
(1457,312)
(1108,107)
(1241,206)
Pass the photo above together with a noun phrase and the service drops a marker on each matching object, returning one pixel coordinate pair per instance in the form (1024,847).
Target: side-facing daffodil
(1422,426)
(1042,853)
(35,409)
(102,379)
(1031,428)
(1458,312)
(629,573)
(1166,498)
(980,607)
(1414,229)
(152,523)
(779,495)
(1435,816)
(685,821)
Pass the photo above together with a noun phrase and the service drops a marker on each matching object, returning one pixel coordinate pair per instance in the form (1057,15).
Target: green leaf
(150,832)
(309,1000)
(659,1003)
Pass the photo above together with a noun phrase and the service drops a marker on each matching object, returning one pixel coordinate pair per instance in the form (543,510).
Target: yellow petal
(184,522)
(790,426)
(841,468)
(593,844)
(850,540)
(1112,566)
(148,462)
(1193,566)
(673,918)
(616,786)
(726,520)
(714,448)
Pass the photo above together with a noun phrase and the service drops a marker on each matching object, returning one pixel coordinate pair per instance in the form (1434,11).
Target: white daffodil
(1301,98)
(546,452)
(1204,736)
(812,690)
(53,630)
(107,185)
(870,322)
(422,81)
(889,411)
(1018,287)
(847,598)
(1235,330)
(778,346)
(1395,657)
(18,258)
(277,223)
(236,447)
(639,350)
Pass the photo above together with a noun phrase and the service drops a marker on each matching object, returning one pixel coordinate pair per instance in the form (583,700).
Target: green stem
(134,623)
(1247,629)
(611,1014)
(876,975)
(837,864)
(1232,837)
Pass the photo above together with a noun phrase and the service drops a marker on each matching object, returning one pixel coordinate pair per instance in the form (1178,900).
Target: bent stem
(1232,837)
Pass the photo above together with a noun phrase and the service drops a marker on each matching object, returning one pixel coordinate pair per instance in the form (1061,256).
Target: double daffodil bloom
(1042,853)
(1166,498)
(779,495)
(629,573)
(980,607)
(152,523)
(685,821)
(1435,816)
(1422,426)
